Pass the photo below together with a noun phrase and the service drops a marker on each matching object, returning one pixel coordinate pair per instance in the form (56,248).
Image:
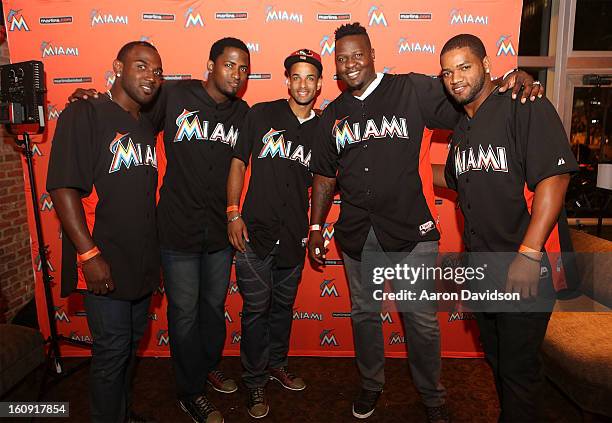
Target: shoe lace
(218,375)
(287,374)
(204,406)
(257,395)
(437,413)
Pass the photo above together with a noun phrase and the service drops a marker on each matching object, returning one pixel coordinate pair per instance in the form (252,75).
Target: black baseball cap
(304,55)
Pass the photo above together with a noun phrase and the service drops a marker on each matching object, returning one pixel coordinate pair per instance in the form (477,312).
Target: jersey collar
(371,87)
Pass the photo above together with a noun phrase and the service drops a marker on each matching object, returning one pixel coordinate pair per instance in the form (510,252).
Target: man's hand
(83,94)
(521,79)
(237,233)
(316,247)
(523,277)
(98,275)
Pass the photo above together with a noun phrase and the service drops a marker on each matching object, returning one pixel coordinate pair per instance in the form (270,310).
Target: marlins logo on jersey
(283,148)
(127,153)
(469,160)
(345,133)
(189,126)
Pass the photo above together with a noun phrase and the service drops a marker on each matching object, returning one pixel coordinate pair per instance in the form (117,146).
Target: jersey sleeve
(449,168)
(437,108)
(541,136)
(244,143)
(72,159)
(324,159)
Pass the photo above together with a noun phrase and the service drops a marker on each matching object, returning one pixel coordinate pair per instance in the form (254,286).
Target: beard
(476,89)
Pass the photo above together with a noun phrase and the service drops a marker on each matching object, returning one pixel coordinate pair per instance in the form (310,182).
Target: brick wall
(16,276)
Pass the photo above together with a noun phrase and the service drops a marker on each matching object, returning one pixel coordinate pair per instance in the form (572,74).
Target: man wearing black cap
(270,233)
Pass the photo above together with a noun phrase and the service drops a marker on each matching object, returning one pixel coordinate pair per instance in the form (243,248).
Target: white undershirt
(371,87)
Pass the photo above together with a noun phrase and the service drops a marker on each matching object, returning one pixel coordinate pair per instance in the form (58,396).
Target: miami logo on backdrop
(328,288)
(377,17)
(16,21)
(504,46)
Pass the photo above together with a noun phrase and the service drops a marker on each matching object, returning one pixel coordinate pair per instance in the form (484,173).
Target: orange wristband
(88,255)
(233,208)
(525,249)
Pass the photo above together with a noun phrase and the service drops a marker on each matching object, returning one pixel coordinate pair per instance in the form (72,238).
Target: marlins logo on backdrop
(130,153)
(376,16)
(395,338)
(39,263)
(83,338)
(46,204)
(386,317)
(328,289)
(16,20)
(328,339)
(48,49)
(36,150)
(236,337)
(328,46)
(305,315)
(60,314)
(328,231)
(162,337)
(405,46)
(52,112)
(100,18)
(274,15)
(504,46)
(228,317)
(193,19)
(188,129)
(461,316)
(457,17)
(232,288)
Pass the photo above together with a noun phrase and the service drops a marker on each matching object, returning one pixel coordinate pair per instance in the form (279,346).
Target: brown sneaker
(220,383)
(288,380)
(201,410)
(257,405)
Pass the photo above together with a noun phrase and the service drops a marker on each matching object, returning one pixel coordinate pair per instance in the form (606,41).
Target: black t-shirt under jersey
(199,136)
(276,204)
(109,156)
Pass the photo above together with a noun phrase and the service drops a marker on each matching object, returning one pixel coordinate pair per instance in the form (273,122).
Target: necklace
(108,93)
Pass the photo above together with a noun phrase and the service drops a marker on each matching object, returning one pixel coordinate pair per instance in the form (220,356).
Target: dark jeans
(268,294)
(511,342)
(116,327)
(196,286)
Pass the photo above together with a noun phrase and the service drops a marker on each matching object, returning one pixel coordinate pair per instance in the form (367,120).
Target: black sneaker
(201,410)
(438,414)
(138,418)
(364,405)
(257,405)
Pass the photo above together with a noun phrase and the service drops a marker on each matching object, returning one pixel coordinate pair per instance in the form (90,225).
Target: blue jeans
(116,327)
(196,286)
(268,294)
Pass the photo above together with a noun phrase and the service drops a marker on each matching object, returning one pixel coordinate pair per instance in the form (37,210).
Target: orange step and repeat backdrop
(77,41)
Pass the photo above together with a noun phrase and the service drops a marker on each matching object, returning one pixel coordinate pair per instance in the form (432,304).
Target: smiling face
(229,72)
(355,62)
(464,74)
(141,73)
(303,82)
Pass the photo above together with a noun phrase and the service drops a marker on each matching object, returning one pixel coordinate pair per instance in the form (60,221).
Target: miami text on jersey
(345,133)
(272,147)
(466,161)
(126,153)
(189,126)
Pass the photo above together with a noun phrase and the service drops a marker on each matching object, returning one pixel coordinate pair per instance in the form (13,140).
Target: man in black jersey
(102,172)
(369,139)
(200,120)
(497,150)
(270,233)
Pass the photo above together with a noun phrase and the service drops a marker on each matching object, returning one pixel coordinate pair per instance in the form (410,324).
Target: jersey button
(368,192)
(365,146)
(366,169)
(473,232)
(469,207)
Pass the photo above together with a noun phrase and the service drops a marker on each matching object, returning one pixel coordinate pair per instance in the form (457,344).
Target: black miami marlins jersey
(495,161)
(374,148)
(199,136)
(276,203)
(109,156)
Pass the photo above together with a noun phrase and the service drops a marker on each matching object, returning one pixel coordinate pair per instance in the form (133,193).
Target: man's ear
(117,67)
(210,65)
(373,54)
(486,62)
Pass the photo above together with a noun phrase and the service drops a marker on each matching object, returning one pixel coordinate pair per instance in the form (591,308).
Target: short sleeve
(325,156)
(543,142)
(437,108)
(72,159)
(244,143)
(449,169)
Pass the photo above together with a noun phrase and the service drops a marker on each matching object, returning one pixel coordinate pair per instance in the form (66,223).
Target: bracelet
(525,249)
(235,218)
(315,227)
(529,257)
(231,209)
(88,255)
